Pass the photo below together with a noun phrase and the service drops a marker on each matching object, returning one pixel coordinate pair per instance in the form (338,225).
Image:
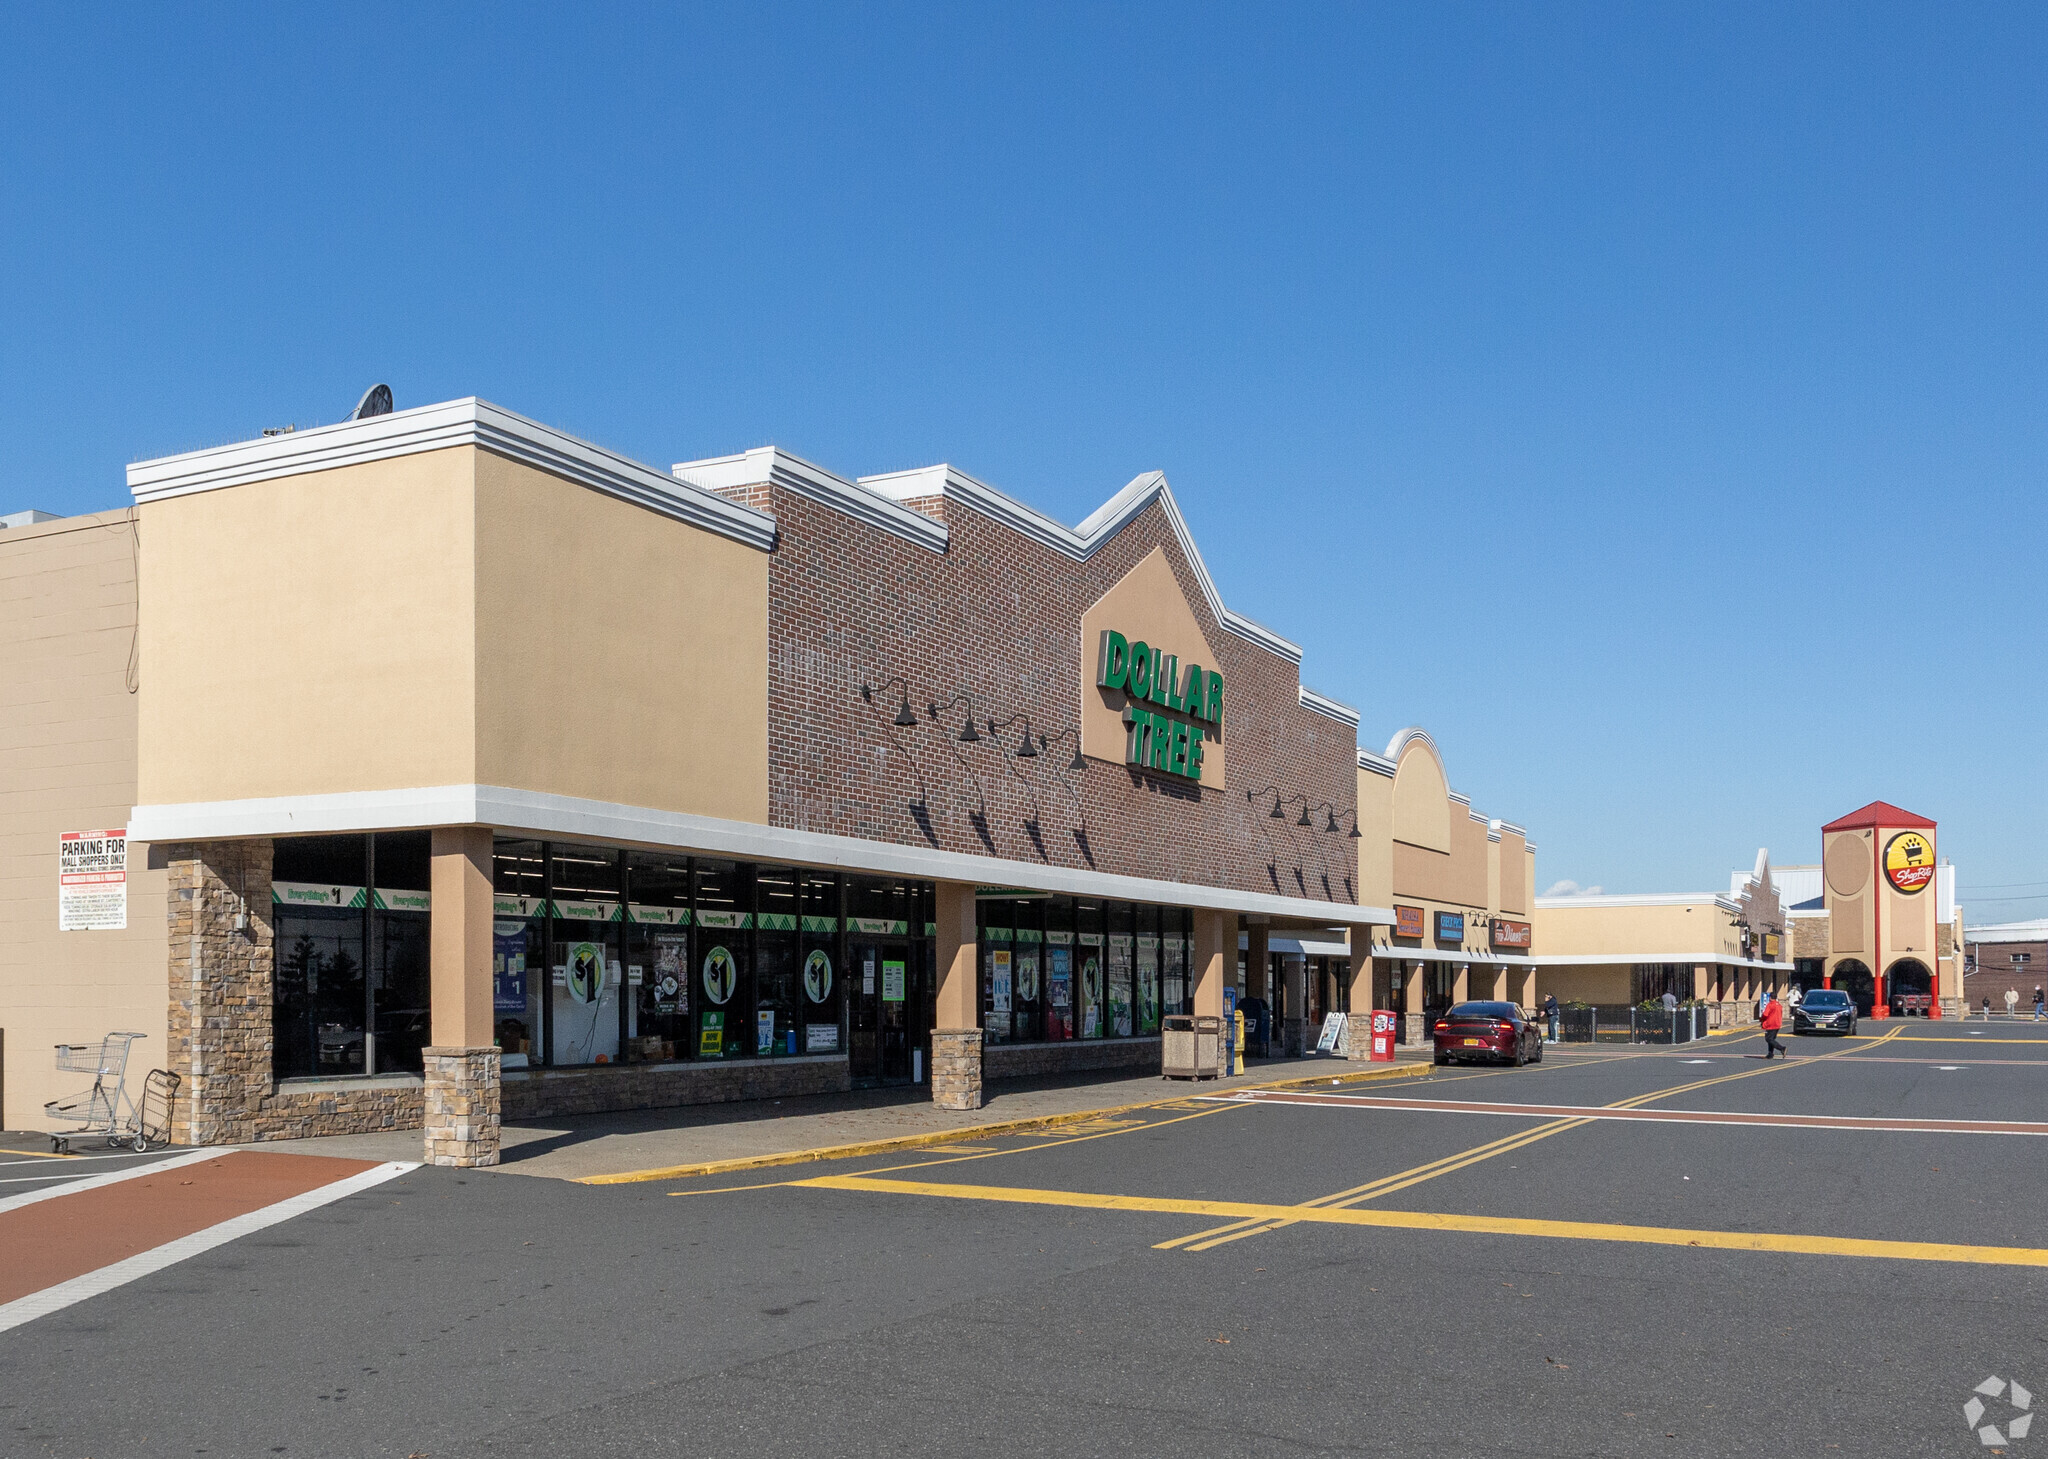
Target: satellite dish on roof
(376,401)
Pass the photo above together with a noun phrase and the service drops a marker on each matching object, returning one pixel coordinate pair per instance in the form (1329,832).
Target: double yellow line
(1388,1185)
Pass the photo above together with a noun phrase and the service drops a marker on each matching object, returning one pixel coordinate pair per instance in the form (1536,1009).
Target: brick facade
(1014,1061)
(998,616)
(529,1094)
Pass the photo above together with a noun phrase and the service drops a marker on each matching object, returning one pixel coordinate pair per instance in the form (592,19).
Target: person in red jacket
(1772,1020)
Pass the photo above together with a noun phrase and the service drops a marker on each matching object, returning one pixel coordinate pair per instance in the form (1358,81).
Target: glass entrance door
(890,1016)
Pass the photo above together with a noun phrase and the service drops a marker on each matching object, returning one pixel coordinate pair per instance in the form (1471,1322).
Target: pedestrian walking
(2038,1010)
(1550,1014)
(1773,1018)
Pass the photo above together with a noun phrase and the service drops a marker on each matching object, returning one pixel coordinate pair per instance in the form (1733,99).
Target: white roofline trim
(1631,959)
(465,422)
(1378,764)
(1081,543)
(1322,704)
(771,464)
(1648,899)
(539,814)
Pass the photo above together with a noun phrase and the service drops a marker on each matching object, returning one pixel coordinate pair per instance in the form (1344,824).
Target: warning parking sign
(92,881)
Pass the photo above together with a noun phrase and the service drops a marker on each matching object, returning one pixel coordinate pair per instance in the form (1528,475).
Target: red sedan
(1494,1032)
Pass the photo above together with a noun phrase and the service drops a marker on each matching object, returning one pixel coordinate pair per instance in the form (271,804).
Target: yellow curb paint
(41,1155)
(1445,1221)
(968,1132)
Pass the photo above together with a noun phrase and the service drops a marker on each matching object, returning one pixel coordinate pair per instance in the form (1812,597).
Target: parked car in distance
(1824,1010)
(1493,1032)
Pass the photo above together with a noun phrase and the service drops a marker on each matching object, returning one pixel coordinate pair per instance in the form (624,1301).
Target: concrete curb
(979,1132)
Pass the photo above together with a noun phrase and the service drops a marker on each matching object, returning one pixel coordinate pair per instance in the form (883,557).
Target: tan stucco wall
(621,656)
(445,619)
(1598,984)
(311,634)
(1664,933)
(1422,815)
(67,763)
(1515,874)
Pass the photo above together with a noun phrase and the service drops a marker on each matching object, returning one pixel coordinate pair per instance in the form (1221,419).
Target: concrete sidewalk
(703,1139)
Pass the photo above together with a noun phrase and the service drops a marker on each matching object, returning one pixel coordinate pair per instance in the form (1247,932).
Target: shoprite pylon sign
(1170,709)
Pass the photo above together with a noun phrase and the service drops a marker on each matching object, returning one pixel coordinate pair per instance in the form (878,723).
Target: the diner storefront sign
(1507,933)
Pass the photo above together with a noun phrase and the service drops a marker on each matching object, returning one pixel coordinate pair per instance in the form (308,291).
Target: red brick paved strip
(1656,1116)
(69,1235)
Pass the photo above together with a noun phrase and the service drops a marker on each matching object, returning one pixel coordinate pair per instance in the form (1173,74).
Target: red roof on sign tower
(1879,813)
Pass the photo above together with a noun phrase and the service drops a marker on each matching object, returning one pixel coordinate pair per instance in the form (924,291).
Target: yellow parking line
(1387,1185)
(1445,1221)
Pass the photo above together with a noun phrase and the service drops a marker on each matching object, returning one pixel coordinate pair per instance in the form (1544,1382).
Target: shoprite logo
(1153,680)
(1909,862)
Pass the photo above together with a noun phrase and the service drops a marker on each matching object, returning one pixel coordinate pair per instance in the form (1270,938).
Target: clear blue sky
(1648,401)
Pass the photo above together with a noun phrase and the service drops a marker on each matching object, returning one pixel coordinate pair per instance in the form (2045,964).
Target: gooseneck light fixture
(968,733)
(1026,748)
(906,717)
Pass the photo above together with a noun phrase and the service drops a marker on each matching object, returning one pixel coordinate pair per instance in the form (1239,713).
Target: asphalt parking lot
(1663,1259)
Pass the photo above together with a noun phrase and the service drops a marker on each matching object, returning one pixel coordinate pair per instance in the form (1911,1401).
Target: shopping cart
(104,1109)
(159,1099)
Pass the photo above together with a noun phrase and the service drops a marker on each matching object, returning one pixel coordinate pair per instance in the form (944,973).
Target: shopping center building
(1876,917)
(468,770)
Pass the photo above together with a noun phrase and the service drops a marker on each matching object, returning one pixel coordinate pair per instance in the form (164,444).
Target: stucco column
(1522,983)
(1210,967)
(463,1067)
(1496,981)
(1461,987)
(1294,1037)
(1418,1025)
(1358,1022)
(956,1031)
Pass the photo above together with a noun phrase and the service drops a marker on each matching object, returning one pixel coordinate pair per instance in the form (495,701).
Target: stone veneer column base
(464,1098)
(956,1068)
(1415,1029)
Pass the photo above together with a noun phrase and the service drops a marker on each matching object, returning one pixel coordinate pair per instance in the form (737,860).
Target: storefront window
(1121,1012)
(1027,992)
(658,981)
(1058,969)
(822,981)
(724,943)
(401,865)
(519,926)
(1173,951)
(1088,985)
(351,982)
(1148,970)
(778,964)
(319,896)
(585,970)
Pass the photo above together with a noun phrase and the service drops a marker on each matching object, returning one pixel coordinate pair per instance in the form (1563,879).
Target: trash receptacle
(1191,1046)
